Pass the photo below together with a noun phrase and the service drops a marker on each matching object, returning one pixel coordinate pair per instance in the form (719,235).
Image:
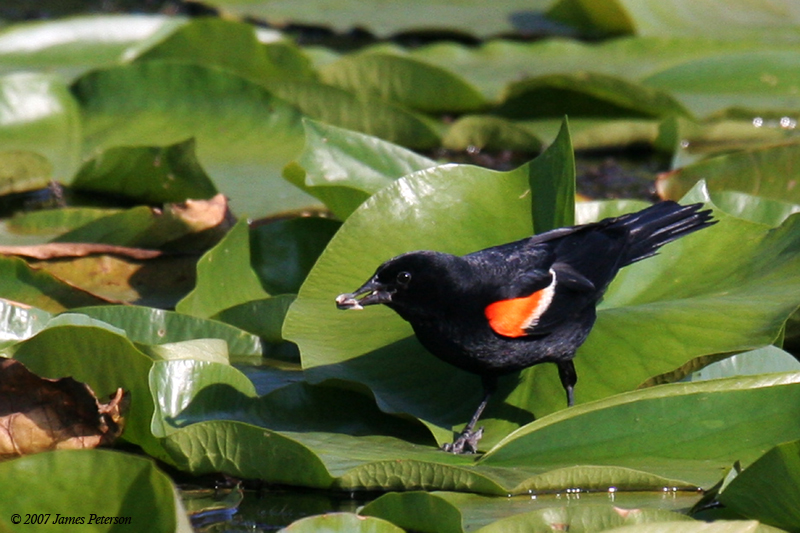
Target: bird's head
(405,283)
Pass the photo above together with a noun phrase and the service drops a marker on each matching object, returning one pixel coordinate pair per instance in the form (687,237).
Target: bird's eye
(403,278)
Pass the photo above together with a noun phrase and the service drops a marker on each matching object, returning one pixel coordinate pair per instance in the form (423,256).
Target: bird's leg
(566,371)
(467,441)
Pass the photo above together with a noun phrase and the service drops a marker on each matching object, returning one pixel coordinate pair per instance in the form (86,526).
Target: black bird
(512,306)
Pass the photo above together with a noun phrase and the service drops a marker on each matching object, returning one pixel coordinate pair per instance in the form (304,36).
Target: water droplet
(788,123)
(758,122)
(684,144)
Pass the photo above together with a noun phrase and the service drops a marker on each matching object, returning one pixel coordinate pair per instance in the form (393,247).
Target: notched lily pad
(38,414)
(147,174)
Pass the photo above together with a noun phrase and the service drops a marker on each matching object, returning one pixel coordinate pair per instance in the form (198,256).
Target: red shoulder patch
(513,317)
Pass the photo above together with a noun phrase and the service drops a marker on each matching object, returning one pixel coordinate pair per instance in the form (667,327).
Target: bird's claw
(466,443)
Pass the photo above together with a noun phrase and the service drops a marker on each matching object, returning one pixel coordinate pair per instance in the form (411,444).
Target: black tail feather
(652,228)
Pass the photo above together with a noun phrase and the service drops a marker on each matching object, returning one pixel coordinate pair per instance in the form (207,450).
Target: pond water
(273,509)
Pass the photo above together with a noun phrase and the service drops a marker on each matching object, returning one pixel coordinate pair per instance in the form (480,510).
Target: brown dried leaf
(201,215)
(76,249)
(38,414)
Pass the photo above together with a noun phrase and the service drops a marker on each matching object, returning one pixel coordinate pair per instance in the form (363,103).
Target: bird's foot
(467,442)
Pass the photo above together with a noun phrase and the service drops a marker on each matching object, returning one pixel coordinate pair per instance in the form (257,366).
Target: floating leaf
(114,486)
(147,174)
(42,414)
(491,133)
(284,251)
(162,103)
(768,489)
(155,326)
(767,172)
(232,46)
(224,276)
(365,113)
(373,348)
(738,421)
(23,171)
(341,523)
(161,281)
(383,20)
(749,83)
(404,80)
(343,168)
(38,114)
(734,20)
(71,46)
(21,283)
(585,95)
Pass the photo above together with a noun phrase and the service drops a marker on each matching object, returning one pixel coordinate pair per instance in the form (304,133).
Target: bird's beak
(371,293)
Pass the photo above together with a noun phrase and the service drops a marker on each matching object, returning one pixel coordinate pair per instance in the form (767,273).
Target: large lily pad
(729,20)
(147,174)
(224,276)
(767,172)
(343,168)
(768,489)
(133,489)
(712,305)
(749,83)
(160,103)
(639,429)
(71,46)
(38,114)
(467,16)
(410,82)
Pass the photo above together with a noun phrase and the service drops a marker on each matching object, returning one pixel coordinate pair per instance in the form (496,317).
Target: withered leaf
(38,414)
(76,249)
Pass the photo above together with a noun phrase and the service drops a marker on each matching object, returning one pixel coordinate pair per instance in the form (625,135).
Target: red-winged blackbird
(512,306)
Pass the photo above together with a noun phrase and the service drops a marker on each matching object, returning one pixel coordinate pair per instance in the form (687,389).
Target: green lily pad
(119,491)
(404,80)
(491,133)
(768,489)
(749,83)
(147,175)
(765,360)
(341,523)
(738,421)
(23,171)
(360,112)
(161,103)
(38,114)
(260,317)
(767,172)
(224,276)
(585,94)
(71,46)
(466,16)
(343,168)
(20,283)
(155,326)
(719,526)
(284,251)
(53,222)
(494,64)
(101,358)
(232,46)
(735,20)
(19,322)
(457,512)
